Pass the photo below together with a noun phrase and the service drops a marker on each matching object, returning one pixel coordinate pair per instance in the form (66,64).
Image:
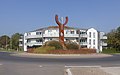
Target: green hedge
(72,46)
(43,49)
(55,44)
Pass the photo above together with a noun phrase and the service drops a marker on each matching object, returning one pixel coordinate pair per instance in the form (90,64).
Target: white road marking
(40,66)
(68,71)
(1,64)
(80,66)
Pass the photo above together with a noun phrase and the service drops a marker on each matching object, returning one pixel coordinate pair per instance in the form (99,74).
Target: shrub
(72,45)
(43,49)
(55,44)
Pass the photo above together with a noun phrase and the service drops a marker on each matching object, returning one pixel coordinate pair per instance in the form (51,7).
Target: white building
(87,38)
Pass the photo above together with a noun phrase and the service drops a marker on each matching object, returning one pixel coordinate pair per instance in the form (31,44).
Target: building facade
(86,38)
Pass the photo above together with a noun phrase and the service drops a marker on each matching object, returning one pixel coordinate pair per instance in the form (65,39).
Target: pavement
(59,64)
(92,70)
(78,70)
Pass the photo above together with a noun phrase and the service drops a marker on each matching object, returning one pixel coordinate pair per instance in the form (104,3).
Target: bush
(43,49)
(55,44)
(72,45)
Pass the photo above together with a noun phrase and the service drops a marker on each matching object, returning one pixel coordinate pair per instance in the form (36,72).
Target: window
(28,41)
(67,31)
(49,38)
(94,35)
(78,31)
(90,47)
(28,33)
(89,41)
(20,42)
(38,40)
(72,32)
(49,30)
(38,33)
(90,34)
(94,42)
(77,39)
(94,47)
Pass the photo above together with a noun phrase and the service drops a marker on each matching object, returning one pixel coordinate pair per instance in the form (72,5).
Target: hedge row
(46,51)
(54,47)
(81,51)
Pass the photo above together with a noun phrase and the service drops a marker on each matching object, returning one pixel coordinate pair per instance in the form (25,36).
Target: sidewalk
(93,71)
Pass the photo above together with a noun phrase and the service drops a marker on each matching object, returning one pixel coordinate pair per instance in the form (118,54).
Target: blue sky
(26,15)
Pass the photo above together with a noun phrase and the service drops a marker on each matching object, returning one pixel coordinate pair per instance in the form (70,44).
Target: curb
(81,55)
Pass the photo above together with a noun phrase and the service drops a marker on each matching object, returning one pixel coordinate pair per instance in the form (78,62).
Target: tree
(114,39)
(117,36)
(4,41)
(15,41)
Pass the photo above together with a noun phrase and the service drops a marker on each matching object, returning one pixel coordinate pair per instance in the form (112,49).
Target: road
(14,65)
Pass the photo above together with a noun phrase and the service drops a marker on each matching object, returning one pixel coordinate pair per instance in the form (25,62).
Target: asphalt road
(13,65)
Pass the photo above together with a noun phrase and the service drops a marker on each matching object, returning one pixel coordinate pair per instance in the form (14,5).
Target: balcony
(33,36)
(83,35)
(104,37)
(20,39)
(34,43)
(71,35)
(50,35)
(20,44)
(83,43)
(104,44)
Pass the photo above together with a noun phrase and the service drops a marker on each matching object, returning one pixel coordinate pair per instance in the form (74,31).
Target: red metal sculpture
(61,30)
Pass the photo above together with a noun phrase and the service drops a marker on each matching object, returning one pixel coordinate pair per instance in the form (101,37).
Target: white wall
(51,33)
(24,42)
(54,34)
(92,30)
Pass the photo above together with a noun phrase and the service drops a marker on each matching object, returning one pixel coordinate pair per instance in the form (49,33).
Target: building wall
(70,34)
(51,33)
(25,41)
(102,39)
(92,39)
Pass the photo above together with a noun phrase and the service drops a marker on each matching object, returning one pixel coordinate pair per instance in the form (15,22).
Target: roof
(66,27)
(56,27)
(53,27)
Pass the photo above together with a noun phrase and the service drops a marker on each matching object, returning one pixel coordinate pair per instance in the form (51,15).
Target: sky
(26,15)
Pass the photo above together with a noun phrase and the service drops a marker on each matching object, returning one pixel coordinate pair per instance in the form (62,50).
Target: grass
(9,50)
(43,50)
(110,51)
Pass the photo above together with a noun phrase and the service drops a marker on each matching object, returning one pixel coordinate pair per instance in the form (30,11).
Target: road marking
(40,66)
(1,64)
(68,71)
(80,66)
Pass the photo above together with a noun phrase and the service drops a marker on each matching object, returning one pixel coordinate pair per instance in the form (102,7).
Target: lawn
(9,50)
